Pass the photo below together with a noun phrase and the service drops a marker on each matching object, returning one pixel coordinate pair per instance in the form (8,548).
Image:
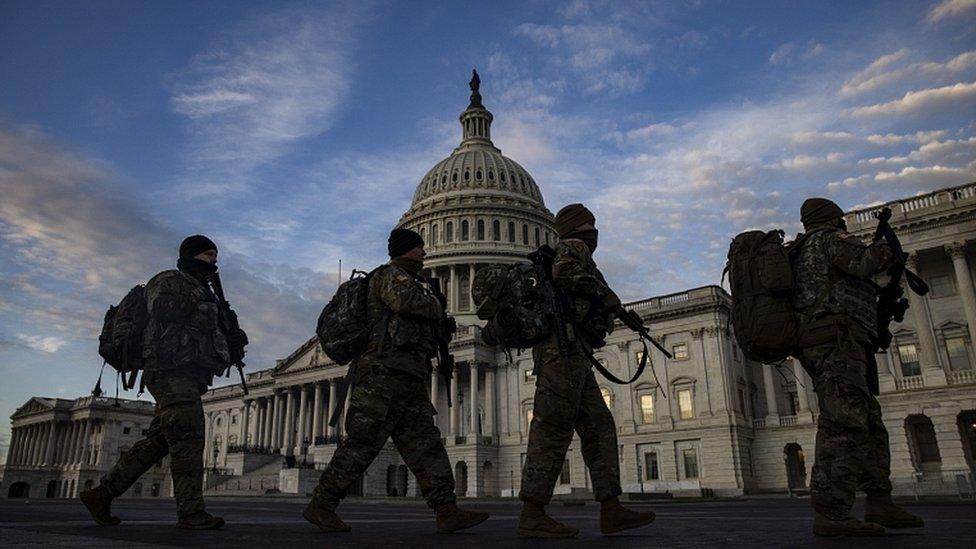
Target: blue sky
(294,134)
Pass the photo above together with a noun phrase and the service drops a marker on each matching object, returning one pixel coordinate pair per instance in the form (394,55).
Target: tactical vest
(822,290)
(400,333)
(193,345)
(593,325)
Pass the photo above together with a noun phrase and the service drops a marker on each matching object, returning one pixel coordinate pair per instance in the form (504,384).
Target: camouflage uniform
(567,397)
(837,308)
(390,397)
(184,348)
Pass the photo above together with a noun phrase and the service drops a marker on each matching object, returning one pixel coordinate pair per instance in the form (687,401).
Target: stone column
(932,372)
(258,421)
(86,441)
(434,382)
(317,413)
(489,426)
(24,445)
(964,281)
(51,444)
(803,383)
(473,423)
(302,415)
(453,305)
(31,443)
(63,430)
(273,420)
(12,449)
(269,414)
(453,427)
(330,407)
(470,284)
(288,440)
(772,409)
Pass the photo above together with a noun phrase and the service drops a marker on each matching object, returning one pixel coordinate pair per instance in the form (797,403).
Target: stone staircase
(260,476)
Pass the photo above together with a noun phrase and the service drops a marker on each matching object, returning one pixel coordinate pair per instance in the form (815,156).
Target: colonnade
(52,443)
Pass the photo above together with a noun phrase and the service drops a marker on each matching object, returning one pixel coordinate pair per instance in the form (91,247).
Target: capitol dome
(476,207)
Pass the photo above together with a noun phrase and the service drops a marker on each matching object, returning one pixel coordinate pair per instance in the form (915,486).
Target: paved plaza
(277,522)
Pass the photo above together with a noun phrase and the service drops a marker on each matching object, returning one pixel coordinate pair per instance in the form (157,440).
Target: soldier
(184,347)
(567,397)
(390,396)
(836,304)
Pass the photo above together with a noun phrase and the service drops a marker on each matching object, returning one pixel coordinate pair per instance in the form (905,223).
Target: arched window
(923,445)
(481,229)
(525,234)
(537,236)
(547,238)
(607,397)
(502,174)
(454,177)
(477,175)
(433,234)
(423,234)
(449,232)
(467,175)
(511,231)
(464,229)
(496,230)
(491,175)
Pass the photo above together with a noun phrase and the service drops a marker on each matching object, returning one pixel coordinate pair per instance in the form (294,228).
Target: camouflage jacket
(576,273)
(832,269)
(406,340)
(184,335)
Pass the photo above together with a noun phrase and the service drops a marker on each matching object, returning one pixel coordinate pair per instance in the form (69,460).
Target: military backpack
(120,342)
(343,328)
(761,282)
(513,302)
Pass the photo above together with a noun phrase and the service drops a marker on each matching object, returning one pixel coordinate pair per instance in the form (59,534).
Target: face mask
(589,237)
(842,224)
(198,269)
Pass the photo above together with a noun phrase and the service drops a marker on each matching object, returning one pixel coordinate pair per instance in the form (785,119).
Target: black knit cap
(194,245)
(402,241)
(819,211)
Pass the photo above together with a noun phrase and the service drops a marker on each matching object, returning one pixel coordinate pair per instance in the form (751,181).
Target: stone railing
(698,295)
(901,208)
(961,377)
(330,439)
(909,383)
(759,423)
(786,421)
(251,449)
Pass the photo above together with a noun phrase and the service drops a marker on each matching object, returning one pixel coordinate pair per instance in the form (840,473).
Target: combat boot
(847,526)
(99,501)
(201,520)
(533,522)
(879,509)
(325,519)
(615,517)
(451,518)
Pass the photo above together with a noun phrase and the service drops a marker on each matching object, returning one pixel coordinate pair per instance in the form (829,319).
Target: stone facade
(60,447)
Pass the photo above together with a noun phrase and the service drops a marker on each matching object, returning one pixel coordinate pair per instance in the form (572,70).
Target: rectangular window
(564,475)
(651,471)
(908,355)
(126,430)
(528,418)
(958,355)
(794,402)
(527,375)
(639,355)
(690,458)
(742,400)
(941,286)
(680,351)
(686,405)
(647,408)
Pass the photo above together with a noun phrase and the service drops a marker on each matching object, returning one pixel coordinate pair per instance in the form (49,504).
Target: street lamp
(216,451)
(305,442)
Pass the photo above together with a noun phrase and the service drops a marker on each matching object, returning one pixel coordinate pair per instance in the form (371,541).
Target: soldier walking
(390,395)
(184,347)
(836,304)
(567,397)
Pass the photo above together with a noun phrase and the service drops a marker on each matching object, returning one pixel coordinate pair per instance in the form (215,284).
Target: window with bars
(646,401)
(689,458)
(958,354)
(651,468)
(908,356)
(686,404)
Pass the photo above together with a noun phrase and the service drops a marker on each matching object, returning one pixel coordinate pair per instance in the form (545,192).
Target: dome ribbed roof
(478,169)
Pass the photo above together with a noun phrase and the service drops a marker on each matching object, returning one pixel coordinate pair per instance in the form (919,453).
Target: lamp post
(216,451)
(305,442)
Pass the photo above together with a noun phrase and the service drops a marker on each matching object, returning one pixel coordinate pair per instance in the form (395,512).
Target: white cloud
(45,344)
(929,72)
(950,8)
(917,137)
(931,100)
(782,54)
(269,84)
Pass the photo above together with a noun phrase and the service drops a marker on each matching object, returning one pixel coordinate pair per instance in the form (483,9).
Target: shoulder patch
(401,278)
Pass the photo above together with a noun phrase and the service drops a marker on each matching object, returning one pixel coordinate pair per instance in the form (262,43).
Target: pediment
(951,325)
(307,355)
(33,406)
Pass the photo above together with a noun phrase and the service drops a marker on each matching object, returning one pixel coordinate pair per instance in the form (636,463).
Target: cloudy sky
(294,135)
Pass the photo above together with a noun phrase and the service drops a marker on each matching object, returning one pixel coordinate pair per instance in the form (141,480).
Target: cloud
(917,137)
(49,344)
(922,179)
(929,72)
(782,54)
(951,8)
(786,53)
(933,100)
(268,84)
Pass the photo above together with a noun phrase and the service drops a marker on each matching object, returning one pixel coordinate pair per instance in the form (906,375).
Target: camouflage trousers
(852,442)
(177,430)
(568,399)
(388,403)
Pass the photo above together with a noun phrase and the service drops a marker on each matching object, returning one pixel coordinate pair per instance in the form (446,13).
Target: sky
(294,134)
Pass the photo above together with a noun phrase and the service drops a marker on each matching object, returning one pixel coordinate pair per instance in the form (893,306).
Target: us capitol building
(718,424)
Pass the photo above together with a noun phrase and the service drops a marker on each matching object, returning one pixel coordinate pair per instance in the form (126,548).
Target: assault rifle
(892,303)
(444,331)
(231,325)
(556,305)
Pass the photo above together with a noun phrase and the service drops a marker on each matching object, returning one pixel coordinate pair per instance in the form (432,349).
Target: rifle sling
(348,381)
